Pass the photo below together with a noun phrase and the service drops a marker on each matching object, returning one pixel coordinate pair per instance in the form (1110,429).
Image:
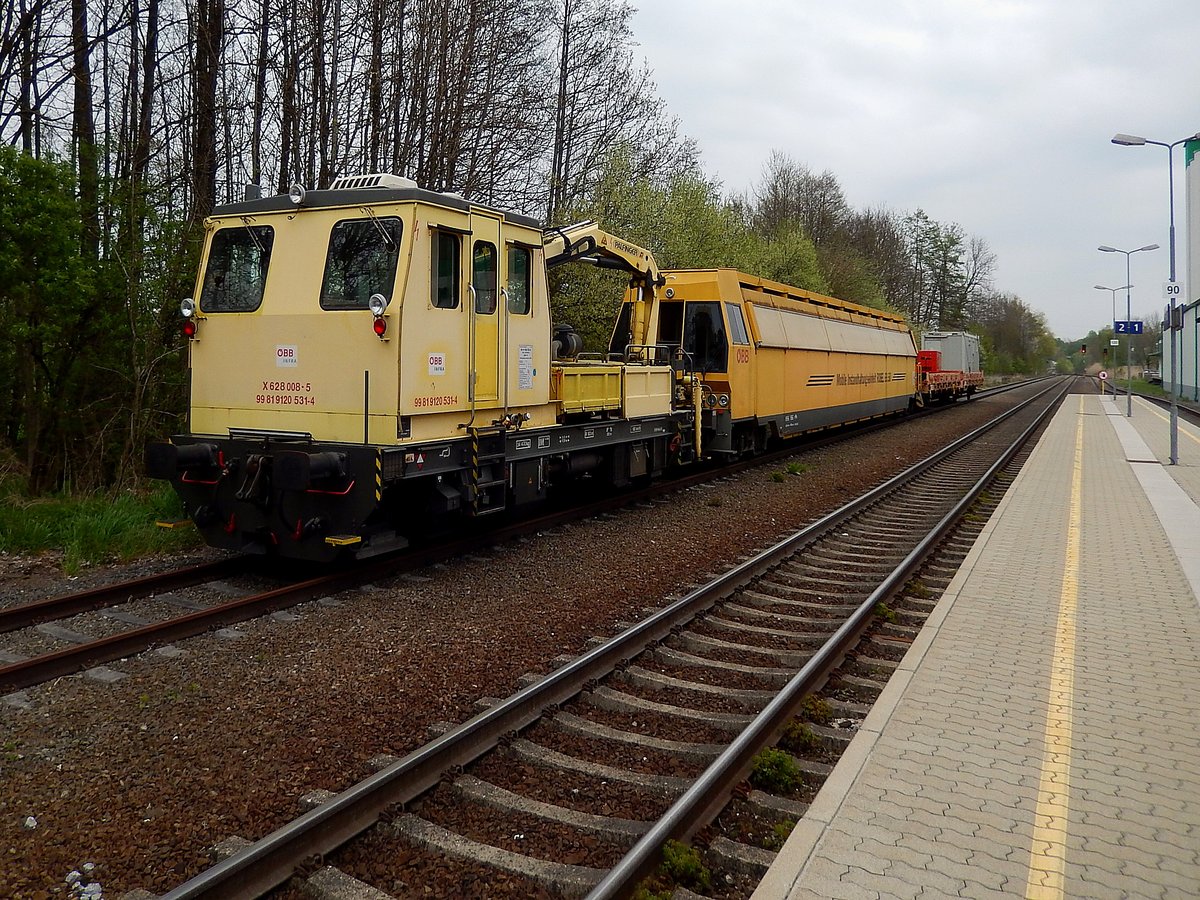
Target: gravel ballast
(141,777)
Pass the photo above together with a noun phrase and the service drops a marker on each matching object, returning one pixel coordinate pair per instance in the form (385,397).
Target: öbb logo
(286,356)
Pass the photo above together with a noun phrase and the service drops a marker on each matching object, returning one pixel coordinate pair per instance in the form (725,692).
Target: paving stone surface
(938,795)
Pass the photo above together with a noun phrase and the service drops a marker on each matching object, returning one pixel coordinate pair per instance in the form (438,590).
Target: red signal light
(189,328)
(380,326)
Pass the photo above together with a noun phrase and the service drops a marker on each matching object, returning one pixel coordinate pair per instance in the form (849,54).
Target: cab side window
(483,277)
(446,268)
(519,289)
(737,325)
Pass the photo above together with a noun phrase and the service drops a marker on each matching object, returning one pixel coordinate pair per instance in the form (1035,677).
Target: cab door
(487,362)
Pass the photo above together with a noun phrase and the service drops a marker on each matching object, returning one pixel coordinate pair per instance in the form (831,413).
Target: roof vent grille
(375,180)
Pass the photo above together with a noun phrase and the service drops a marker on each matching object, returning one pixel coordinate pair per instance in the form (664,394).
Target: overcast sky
(995,114)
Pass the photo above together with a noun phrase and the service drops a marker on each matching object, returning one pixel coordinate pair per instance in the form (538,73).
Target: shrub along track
(653,750)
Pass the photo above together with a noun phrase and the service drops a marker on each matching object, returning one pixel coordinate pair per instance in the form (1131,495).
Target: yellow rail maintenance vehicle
(373,357)
(775,361)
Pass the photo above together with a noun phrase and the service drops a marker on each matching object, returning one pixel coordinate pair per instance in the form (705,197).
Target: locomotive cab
(330,331)
(709,333)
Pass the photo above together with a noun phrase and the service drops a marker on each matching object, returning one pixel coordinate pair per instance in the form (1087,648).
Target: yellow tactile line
(1153,410)
(1048,855)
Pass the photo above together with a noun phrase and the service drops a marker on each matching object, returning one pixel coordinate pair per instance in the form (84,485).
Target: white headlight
(377,303)
(187,307)
(296,193)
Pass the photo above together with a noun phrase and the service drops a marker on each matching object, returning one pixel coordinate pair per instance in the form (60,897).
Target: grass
(917,588)
(885,612)
(93,529)
(798,738)
(779,835)
(792,468)
(681,866)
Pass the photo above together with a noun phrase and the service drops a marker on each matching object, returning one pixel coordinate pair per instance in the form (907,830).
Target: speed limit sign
(1104,376)
(1172,290)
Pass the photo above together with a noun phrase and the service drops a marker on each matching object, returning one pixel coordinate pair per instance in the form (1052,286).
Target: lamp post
(1128,316)
(1103,287)
(1133,140)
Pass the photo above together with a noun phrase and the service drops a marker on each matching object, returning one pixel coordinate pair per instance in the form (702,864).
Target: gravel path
(140,777)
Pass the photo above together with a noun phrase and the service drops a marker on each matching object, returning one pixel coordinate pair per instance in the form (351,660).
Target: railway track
(652,746)
(156,625)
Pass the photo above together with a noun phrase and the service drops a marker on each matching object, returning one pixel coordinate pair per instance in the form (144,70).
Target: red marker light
(189,328)
(380,326)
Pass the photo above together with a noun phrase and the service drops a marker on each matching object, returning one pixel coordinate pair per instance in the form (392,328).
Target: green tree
(47,300)
(1016,338)
(686,222)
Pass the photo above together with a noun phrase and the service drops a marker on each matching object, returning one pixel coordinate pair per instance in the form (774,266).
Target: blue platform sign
(1130,327)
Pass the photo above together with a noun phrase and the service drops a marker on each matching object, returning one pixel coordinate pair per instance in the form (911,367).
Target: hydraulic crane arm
(585,240)
(588,242)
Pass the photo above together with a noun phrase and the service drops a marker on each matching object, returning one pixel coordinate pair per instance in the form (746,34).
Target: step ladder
(487,473)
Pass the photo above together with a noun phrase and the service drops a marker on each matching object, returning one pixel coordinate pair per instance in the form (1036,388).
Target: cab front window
(361,261)
(704,337)
(236,274)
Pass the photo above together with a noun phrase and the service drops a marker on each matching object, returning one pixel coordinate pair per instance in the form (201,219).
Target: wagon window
(446,269)
(737,325)
(704,337)
(518,281)
(361,261)
(483,277)
(236,273)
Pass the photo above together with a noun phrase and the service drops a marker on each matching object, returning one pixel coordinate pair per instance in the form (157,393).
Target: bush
(776,772)
(799,738)
(815,710)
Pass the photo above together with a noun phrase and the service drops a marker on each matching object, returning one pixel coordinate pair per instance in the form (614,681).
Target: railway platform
(1042,736)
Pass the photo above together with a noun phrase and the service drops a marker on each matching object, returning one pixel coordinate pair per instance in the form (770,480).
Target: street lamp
(1101,287)
(1133,140)
(1128,316)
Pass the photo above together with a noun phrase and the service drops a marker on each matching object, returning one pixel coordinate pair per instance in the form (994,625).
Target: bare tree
(209,39)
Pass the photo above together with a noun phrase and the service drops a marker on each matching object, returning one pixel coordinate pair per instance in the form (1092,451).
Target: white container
(959,349)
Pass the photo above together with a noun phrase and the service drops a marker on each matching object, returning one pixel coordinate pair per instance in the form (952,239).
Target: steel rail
(275,858)
(109,595)
(711,791)
(38,669)
(71,660)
